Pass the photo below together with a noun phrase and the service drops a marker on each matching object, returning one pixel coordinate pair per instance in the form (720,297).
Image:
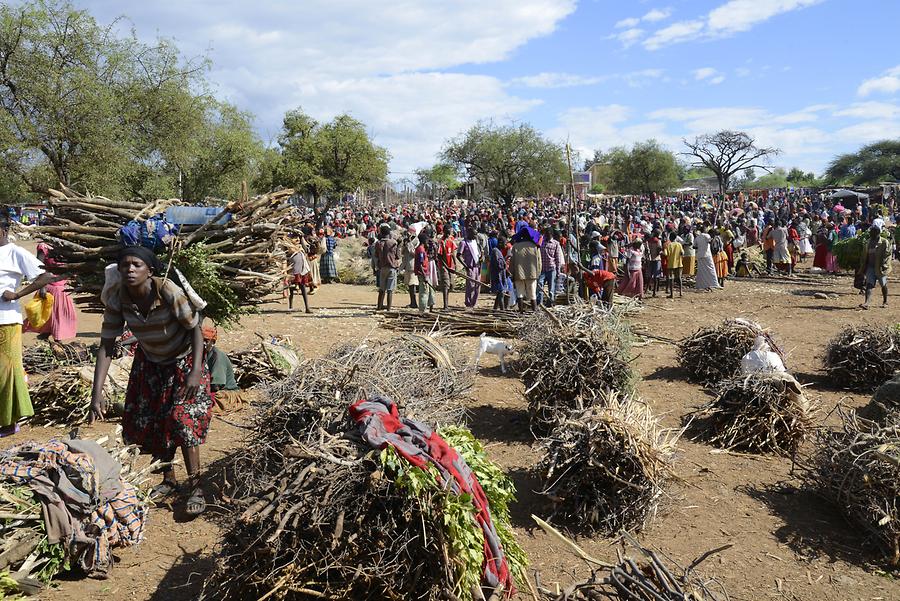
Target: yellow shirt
(674,252)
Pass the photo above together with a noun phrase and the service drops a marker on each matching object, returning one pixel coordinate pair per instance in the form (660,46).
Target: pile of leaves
(858,469)
(713,354)
(863,357)
(318,513)
(572,358)
(223,305)
(606,468)
(759,412)
(849,252)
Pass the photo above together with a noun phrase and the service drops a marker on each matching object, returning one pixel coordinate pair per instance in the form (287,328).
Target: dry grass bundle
(268,361)
(43,356)
(858,469)
(572,357)
(352,262)
(321,514)
(863,357)
(606,468)
(760,412)
(713,354)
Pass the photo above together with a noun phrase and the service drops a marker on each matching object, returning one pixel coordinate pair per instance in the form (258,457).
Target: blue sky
(812,77)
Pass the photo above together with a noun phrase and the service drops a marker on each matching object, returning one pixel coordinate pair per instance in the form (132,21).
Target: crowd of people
(529,253)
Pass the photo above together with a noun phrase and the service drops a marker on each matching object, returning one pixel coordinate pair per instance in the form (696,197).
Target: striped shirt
(165,333)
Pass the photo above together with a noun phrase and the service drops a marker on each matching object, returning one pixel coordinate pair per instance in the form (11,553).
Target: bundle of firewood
(247,249)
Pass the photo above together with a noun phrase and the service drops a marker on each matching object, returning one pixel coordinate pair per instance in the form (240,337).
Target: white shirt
(16,263)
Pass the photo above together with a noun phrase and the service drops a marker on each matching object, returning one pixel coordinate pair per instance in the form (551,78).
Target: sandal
(196,503)
(163,490)
(9,430)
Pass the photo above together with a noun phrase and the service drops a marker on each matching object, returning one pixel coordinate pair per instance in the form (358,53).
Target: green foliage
(849,252)
(438,178)
(597,189)
(83,105)
(323,161)
(646,168)
(508,161)
(873,163)
(223,307)
(457,511)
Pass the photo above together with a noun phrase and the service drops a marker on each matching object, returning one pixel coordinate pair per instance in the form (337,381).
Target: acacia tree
(437,179)
(872,164)
(728,152)
(508,161)
(326,160)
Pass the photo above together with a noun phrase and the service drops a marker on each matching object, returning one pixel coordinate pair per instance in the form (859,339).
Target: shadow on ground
(184,580)
(813,527)
(503,424)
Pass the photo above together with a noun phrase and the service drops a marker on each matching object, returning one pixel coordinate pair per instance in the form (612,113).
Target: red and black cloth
(381,426)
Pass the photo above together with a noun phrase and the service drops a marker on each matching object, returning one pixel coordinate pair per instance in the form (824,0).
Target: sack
(37,310)
(761,358)
(859,281)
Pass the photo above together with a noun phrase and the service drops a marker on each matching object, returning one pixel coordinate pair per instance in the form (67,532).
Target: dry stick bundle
(43,357)
(759,412)
(642,579)
(316,514)
(606,468)
(858,469)
(713,354)
(248,249)
(61,398)
(572,357)
(266,362)
(455,321)
(863,357)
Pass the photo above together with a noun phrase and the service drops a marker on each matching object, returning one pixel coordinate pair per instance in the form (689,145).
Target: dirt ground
(787,543)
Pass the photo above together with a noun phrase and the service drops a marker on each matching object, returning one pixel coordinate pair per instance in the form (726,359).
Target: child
(744,268)
(674,263)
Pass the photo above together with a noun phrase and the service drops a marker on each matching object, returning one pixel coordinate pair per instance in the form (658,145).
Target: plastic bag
(761,358)
(37,310)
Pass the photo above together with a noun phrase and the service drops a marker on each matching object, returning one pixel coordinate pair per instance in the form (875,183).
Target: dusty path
(787,543)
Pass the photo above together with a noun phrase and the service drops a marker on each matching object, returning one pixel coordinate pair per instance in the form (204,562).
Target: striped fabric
(165,332)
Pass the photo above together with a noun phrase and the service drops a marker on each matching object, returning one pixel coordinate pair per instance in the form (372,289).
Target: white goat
(493,346)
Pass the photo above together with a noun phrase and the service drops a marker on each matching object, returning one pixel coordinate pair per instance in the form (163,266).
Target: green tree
(323,161)
(437,180)
(727,153)
(776,179)
(81,106)
(646,168)
(871,164)
(508,161)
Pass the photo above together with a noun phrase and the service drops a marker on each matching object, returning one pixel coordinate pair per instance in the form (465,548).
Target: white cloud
(869,131)
(630,22)
(379,61)
(637,79)
(729,18)
(871,110)
(887,83)
(629,37)
(657,14)
(557,80)
(712,76)
(742,72)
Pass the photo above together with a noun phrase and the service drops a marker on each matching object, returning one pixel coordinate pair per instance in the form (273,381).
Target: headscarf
(210,334)
(144,254)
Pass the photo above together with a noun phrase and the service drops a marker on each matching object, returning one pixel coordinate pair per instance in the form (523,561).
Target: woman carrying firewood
(168,403)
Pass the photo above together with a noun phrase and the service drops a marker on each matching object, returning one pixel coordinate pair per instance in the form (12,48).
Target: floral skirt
(157,417)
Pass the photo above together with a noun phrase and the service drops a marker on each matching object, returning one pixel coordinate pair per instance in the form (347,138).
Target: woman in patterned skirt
(168,403)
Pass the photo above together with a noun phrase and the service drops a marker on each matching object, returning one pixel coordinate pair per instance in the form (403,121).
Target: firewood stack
(248,249)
